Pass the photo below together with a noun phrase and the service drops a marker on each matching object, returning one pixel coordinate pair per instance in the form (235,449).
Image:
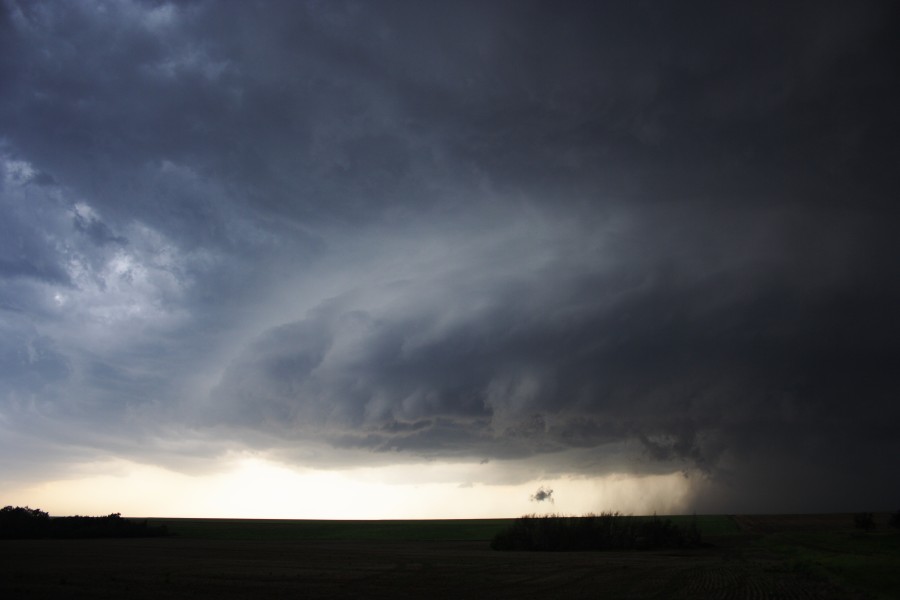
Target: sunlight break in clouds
(256,488)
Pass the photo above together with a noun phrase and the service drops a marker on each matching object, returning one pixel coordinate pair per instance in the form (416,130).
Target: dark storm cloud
(659,237)
(729,360)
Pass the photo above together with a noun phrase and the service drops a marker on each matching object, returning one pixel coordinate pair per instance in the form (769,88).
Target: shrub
(895,520)
(607,531)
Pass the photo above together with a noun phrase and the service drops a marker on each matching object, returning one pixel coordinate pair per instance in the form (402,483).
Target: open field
(372,559)
(276,529)
(430,530)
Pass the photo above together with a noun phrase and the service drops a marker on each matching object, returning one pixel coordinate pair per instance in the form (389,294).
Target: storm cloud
(603,238)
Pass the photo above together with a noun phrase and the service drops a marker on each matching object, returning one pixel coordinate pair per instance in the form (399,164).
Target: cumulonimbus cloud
(505,239)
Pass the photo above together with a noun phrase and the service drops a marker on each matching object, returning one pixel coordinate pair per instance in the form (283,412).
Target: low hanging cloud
(543,495)
(459,362)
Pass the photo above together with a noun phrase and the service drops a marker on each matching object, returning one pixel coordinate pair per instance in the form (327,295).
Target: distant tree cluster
(864,521)
(607,531)
(29,523)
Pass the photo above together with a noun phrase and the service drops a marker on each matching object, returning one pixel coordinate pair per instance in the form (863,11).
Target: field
(745,558)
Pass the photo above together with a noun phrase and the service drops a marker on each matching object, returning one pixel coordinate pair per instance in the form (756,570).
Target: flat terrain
(377,559)
(299,529)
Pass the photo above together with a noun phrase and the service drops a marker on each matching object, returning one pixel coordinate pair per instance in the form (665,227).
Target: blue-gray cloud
(654,237)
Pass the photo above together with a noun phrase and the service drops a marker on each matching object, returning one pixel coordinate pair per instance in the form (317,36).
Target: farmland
(745,557)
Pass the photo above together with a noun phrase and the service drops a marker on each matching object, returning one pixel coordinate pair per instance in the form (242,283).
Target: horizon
(470,519)
(423,260)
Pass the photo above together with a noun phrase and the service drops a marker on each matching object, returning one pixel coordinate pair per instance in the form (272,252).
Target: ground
(746,558)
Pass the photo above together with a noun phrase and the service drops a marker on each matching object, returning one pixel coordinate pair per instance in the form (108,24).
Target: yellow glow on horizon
(256,488)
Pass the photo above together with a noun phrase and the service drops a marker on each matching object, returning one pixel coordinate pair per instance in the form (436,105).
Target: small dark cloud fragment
(543,495)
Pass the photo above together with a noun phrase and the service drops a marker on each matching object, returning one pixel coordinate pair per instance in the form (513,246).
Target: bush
(864,521)
(895,520)
(607,531)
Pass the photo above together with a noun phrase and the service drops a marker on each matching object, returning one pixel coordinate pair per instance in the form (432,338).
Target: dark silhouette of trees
(864,521)
(18,522)
(607,531)
(24,522)
(895,520)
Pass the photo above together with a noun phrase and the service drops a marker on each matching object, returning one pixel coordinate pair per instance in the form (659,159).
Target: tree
(895,520)
(864,521)
(18,521)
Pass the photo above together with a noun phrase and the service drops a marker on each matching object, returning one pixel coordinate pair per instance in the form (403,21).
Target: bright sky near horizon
(254,488)
(342,259)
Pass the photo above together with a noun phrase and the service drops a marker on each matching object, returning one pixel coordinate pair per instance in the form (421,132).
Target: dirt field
(735,566)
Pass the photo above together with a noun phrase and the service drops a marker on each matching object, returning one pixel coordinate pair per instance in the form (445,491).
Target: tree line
(606,531)
(17,522)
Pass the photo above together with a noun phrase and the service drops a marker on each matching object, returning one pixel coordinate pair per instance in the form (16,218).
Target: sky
(384,259)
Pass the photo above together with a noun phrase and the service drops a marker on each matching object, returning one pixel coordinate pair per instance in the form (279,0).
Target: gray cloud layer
(646,238)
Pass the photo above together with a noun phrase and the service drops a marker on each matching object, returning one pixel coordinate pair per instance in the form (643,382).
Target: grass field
(273,529)
(803,557)
(422,530)
(832,547)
